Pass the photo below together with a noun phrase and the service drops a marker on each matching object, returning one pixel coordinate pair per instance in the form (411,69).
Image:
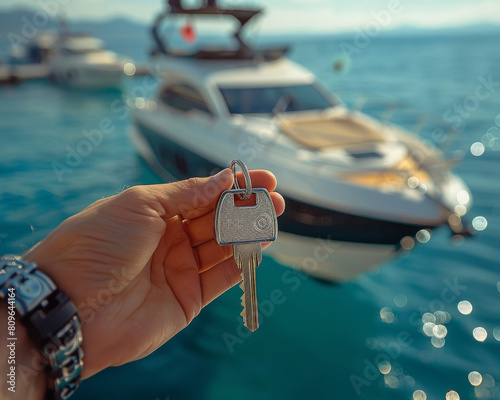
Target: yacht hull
(326,243)
(87,76)
(331,260)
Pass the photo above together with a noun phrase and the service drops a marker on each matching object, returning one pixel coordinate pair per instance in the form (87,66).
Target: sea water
(364,339)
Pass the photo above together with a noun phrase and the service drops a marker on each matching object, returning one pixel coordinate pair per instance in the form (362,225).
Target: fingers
(278,202)
(210,253)
(218,279)
(260,179)
(194,197)
(201,229)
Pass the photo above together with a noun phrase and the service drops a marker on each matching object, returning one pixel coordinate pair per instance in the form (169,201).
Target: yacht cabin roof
(237,73)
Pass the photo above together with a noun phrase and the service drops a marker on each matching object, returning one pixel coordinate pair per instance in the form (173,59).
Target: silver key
(245,227)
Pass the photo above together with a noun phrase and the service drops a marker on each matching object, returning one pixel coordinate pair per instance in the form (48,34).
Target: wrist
(22,374)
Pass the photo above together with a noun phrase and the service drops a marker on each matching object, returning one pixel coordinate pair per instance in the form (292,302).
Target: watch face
(30,288)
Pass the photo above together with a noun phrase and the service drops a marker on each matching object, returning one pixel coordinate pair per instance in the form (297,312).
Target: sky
(298,15)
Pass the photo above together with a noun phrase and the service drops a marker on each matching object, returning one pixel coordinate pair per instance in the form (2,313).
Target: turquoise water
(318,341)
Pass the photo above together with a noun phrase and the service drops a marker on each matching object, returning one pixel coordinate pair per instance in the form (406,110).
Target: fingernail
(220,177)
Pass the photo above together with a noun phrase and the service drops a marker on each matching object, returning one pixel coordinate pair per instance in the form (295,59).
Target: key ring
(246,175)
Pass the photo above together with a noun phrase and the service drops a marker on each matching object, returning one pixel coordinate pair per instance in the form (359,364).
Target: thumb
(193,197)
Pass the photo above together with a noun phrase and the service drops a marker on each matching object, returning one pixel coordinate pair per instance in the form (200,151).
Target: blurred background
(423,324)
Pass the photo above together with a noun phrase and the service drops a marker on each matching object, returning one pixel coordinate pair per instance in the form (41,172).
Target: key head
(243,224)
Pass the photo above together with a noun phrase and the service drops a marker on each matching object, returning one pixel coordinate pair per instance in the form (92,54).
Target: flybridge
(211,9)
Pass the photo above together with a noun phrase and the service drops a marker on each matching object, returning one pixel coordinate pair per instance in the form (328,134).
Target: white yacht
(81,60)
(73,60)
(356,189)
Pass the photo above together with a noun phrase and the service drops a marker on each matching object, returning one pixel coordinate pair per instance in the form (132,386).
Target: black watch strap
(52,322)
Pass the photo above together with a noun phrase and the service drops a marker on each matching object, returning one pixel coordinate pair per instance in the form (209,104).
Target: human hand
(139,266)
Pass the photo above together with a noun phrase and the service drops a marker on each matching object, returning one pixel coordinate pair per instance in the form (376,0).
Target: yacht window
(184,97)
(266,100)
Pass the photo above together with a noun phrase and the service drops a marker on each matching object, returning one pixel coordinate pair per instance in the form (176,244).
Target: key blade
(249,297)
(247,258)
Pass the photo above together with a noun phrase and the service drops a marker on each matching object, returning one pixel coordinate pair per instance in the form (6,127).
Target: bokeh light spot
(488,381)
(437,342)
(492,138)
(457,240)
(129,69)
(479,223)
(483,393)
(439,331)
(392,381)
(152,105)
(407,243)
(460,210)
(442,317)
(140,102)
(397,369)
(413,182)
(384,367)
(496,333)
(428,317)
(475,378)
(452,395)
(422,188)
(400,300)
(428,329)
(465,307)
(463,197)
(423,235)
(419,395)
(477,149)
(480,334)
(387,315)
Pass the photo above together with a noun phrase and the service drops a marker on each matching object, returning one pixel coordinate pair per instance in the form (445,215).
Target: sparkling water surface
(426,325)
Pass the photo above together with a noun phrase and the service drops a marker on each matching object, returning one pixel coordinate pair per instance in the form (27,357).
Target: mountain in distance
(473,29)
(117,33)
(13,21)
(119,27)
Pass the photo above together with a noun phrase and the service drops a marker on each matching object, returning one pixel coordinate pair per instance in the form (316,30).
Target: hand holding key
(140,265)
(246,227)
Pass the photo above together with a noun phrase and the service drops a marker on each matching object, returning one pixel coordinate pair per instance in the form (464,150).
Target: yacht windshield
(266,100)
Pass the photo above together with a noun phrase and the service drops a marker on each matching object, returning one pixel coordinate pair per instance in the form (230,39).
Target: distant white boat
(356,189)
(74,60)
(80,60)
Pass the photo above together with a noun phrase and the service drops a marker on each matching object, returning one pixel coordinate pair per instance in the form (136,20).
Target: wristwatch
(51,320)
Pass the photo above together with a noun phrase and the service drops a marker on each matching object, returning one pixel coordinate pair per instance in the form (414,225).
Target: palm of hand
(125,296)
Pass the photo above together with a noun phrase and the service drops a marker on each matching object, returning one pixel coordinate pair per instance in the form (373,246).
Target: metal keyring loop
(246,175)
